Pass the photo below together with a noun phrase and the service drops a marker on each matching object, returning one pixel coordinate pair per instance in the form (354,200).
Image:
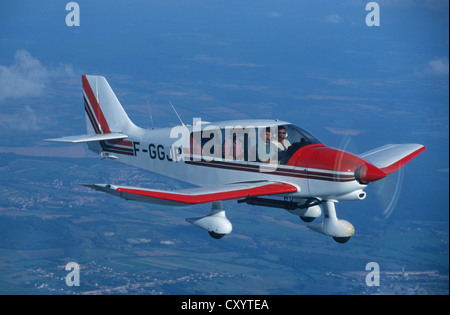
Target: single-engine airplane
(259,162)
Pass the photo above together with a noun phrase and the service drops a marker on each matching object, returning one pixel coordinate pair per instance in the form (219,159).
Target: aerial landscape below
(356,77)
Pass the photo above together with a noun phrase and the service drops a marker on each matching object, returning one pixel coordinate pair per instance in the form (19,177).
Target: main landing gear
(340,230)
(216,223)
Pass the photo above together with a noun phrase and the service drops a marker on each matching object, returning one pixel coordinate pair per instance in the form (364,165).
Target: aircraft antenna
(151,116)
(96,89)
(176,113)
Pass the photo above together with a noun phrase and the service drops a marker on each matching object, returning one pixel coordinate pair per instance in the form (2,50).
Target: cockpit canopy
(267,143)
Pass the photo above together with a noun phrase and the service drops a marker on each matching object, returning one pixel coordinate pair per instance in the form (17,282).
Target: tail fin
(106,119)
(109,130)
(104,113)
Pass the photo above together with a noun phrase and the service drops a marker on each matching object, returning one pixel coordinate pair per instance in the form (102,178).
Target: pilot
(283,144)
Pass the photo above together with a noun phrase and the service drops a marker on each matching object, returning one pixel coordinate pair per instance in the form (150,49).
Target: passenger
(268,140)
(234,151)
(268,137)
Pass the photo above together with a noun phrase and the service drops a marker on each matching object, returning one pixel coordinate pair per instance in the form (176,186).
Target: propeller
(385,189)
(388,191)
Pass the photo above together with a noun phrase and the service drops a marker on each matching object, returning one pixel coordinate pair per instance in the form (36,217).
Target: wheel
(341,240)
(216,235)
(307,219)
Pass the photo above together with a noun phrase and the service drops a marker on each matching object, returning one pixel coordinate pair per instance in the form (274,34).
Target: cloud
(25,119)
(167,242)
(435,5)
(217,61)
(28,121)
(274,14)
(27,77)
(345,98)
(437,66)
(345,132)
(345,82)
(334,18)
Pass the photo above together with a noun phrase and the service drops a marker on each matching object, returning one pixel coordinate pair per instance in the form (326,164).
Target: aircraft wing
(391,157)
(196,195)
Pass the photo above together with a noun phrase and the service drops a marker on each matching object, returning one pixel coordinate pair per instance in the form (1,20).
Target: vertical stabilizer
(104,113)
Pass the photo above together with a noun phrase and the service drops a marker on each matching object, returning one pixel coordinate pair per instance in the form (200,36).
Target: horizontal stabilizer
(89,138)
(392,157)
(196,195)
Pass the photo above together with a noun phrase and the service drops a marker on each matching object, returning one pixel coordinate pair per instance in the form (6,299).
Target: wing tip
(403,161)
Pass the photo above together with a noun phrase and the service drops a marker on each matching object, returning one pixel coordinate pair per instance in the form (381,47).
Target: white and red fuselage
(235,159)
(316,170)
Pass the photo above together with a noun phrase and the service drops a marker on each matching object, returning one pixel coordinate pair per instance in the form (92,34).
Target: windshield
(290,138)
